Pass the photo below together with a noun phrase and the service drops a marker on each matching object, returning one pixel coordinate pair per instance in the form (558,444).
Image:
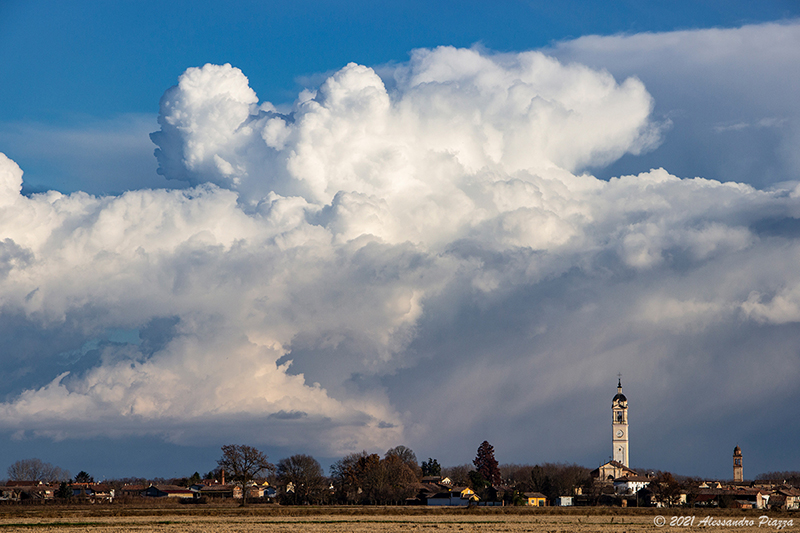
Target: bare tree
(558,479)
(36,470)
(346,474)
(406,455)
(243,464)
(459,474)
(306,476)
(400,478)
(665,489)
(369,479)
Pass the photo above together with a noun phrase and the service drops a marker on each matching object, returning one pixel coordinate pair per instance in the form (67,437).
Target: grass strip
(84,524)
(356,521)
(54,524)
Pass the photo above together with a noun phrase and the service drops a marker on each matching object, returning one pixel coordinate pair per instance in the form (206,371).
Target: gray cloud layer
(730,95)
(413,257)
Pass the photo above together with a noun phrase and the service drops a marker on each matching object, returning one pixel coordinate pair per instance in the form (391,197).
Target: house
(259,490)
(425,491)
(8,493)
(93,492)
(535,499)
(216,490)
(564,501)
(630,484)
(739,497)
(35,491)
(790,497)
(757,498)
(132,490)
(168,491)
(456,496)
(777,502)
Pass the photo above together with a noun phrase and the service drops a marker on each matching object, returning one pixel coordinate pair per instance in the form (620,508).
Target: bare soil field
(262,518)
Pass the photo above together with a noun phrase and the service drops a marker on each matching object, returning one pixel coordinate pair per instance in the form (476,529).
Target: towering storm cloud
(430,226)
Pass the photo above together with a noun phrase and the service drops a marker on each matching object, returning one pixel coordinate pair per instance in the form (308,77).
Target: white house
(630,484)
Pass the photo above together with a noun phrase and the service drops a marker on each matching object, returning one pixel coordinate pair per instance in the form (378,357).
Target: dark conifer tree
(431,467)
(486,464)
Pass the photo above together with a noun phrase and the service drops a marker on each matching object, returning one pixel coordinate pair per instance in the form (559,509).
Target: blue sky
(349,266)
(95,59)
(92,66)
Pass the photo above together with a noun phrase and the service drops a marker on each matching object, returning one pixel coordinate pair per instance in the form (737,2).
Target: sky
(326,227)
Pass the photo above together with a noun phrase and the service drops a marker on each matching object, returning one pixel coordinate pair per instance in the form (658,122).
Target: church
(619,465)
(618,468)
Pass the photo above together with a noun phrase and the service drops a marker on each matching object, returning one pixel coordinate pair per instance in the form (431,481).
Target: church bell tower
(738,472)
(619,426)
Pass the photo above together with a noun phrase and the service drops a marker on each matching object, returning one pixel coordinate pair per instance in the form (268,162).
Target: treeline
(791,477)
(369,478)
(358,478)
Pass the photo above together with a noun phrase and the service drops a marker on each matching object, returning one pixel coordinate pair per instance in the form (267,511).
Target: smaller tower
(738,473)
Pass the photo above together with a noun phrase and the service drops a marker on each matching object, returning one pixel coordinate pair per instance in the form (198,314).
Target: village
(244,475)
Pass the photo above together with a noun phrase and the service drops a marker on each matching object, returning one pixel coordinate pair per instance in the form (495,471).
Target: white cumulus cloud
(431,228)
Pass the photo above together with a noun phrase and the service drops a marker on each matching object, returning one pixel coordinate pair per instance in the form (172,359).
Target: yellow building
(535,499)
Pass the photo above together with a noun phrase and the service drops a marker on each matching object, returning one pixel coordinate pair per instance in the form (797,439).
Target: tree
(477,481)
(215,474)
(431,467)
(405,454)
(791,477)
(459,474)
(400,476)
(346,476)
(64,491)
(558,479)
(369,479)
(187,481)
(517,476)
(665,489)
(83,477)
(486,464)
(36,470)
(243,464)
(306,477)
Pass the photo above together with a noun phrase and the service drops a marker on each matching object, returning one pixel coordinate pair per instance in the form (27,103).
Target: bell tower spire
(619,426)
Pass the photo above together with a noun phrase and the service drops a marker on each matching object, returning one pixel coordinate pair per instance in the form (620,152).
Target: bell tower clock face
(620,433)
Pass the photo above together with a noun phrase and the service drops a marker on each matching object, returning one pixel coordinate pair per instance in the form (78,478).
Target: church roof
(612,465)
